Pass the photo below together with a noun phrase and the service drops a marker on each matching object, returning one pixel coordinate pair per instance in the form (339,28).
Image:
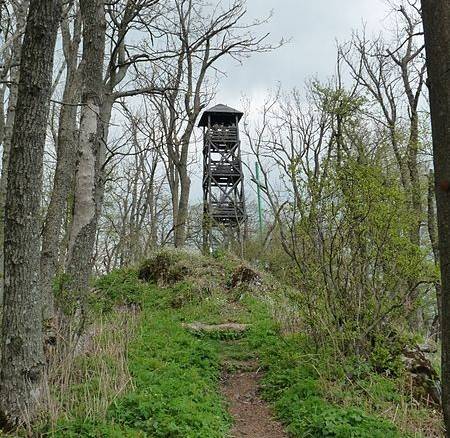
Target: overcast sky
(313,26)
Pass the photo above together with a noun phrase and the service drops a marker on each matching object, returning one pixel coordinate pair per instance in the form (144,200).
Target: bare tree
(11,51)
(101,92)
(338,215)
(91,143)
(134,197)
(66,150)
(392,75)
(201,38)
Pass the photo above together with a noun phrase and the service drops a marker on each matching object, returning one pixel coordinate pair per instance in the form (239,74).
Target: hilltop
(190,346)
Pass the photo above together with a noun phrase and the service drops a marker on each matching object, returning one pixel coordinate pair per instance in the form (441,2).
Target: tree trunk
(21,16)
(436,17)
(416,189)
(22,364)
(185,188)
(91,144)
(62,185)
(182,210)
(433,234)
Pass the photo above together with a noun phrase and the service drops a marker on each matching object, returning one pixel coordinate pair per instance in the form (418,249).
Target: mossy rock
(164,268)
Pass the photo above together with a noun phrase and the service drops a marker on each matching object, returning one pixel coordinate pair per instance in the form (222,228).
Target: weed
(85,378)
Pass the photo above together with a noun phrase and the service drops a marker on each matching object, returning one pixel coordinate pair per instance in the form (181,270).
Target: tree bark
(185,181)
(413,166)
(22,363)
(433,234)
(91,144)
(436,19)
(14,76)
(64,172)
(183,209)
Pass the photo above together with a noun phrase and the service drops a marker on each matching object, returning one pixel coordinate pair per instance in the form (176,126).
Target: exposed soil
(252,415)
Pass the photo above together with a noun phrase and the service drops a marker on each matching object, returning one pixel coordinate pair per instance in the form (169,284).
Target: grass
(82,385)
(175,377)
(144,375)
(293,383)
(318,394)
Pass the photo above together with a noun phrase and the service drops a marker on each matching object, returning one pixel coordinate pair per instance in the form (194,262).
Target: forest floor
(158,368)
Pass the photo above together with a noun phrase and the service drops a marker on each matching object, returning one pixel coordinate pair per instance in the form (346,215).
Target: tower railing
(228,134)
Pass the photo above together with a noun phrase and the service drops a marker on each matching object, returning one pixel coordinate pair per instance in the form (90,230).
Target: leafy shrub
(181,294)
(386,354)
(314,418)
(119,288)
(90,429)
(300,402)
(295,373)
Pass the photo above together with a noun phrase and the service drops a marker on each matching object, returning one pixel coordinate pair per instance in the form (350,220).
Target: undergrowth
(294,384)
(173,375)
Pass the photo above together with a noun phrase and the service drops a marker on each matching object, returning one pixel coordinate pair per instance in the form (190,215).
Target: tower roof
(220,114)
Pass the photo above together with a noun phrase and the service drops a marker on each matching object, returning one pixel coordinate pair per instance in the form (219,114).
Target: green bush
(90,429)
(181,294)
(119,288)
(301,403)
(314,418)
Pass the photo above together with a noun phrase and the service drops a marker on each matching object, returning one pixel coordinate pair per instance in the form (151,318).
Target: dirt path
(252,415)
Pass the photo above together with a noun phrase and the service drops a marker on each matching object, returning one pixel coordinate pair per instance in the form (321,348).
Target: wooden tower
(223,178)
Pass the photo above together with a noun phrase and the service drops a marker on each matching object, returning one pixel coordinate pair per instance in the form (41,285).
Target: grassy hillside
(142,374)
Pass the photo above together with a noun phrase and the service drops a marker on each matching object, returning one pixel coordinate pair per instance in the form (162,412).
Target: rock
(245,275)
(214,328)
(429,347)
(426,383)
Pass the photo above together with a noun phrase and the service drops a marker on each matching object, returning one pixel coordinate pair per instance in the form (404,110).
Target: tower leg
(206,234)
